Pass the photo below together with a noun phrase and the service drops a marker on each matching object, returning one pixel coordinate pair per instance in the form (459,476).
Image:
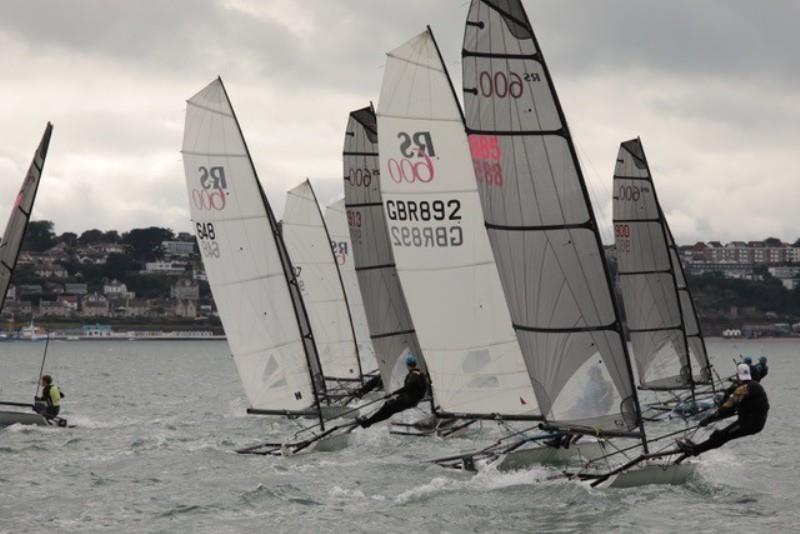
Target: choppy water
(157,423)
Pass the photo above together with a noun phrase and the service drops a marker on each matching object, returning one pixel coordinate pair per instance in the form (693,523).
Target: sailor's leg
(389,408)
(719,438)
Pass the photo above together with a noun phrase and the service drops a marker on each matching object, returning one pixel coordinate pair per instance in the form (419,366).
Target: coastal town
(145,279)
(148,279)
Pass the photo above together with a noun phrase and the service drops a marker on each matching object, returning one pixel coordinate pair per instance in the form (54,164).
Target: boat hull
(673,474)
(526,458)
(8,418)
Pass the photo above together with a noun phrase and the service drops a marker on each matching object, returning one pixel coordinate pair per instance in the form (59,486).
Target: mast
(309,345)
(341,284)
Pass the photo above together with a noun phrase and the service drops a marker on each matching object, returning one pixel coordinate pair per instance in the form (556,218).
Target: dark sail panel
(390,324)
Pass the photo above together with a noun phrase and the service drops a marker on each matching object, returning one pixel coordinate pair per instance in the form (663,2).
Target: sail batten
(541,224)
(440,244)
(248,268)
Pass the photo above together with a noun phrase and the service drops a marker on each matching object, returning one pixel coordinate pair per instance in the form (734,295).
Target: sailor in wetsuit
(414,388)
(748,400)
(49,404)
(759,370)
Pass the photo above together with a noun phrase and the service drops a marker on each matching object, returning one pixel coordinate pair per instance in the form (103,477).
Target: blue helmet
(748,360)
(762,359)
(411,360)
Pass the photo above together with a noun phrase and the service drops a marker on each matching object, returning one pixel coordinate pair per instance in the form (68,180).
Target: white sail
(390,325)
(659,309)
(440,245)
(336,220)
(20,215)
(314,264)
(541,224)
(248,270)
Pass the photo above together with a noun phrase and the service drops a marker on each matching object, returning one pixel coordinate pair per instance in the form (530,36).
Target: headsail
(336,220)
(541,224)
(246,261)
(657,301)
(20,215)
(317,273)
(440,245)
(390,323)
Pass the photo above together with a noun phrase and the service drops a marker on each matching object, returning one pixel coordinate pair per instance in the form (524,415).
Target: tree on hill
(146,242)
(68,238)
(39,236)
(112,236)
(773,242)
(90,237)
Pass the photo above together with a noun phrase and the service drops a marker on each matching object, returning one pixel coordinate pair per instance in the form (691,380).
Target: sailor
(748,401)
(759,370)
(414,388)
(49,404)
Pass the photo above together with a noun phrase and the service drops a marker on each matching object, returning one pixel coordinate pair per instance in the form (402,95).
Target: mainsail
(317,273)
(390,323)
(248,267)
(336,220)
(660,313)
(541,224)
(440,245)
(21,214)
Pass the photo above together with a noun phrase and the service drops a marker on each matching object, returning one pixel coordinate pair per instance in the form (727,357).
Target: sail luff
(542,225)
(341,285)
(18,221)
(301,315)
(679,276)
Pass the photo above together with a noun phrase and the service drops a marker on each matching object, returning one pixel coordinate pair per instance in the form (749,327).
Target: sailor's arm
(728,408)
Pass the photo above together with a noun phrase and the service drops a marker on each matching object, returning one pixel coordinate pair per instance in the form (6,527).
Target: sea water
(156,425)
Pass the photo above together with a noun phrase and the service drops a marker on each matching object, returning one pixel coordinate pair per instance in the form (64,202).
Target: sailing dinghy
(336,221)
(440,246)
(662,321)
(249,270)
(322,288)
(548,250)
(9,252)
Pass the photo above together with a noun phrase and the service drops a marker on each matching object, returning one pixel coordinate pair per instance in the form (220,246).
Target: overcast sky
(712,87)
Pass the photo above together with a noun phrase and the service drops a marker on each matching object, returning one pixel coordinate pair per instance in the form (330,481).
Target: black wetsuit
(749,401)
(759,371)
(414,388)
